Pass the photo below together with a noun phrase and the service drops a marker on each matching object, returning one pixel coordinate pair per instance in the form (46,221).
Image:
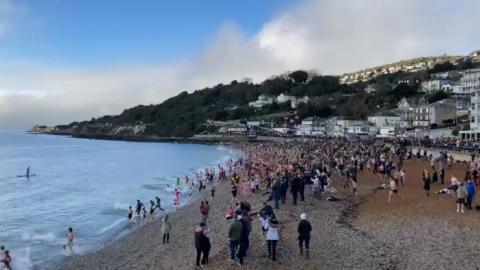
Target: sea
(87,185)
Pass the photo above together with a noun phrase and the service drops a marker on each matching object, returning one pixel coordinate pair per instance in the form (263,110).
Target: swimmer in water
(70,239)
(6,259)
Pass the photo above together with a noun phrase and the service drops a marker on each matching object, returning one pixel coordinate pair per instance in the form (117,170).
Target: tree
(404,90)
(439,95)
(299,76)
(442,67)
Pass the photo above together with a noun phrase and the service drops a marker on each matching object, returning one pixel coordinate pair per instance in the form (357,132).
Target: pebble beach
(362,232)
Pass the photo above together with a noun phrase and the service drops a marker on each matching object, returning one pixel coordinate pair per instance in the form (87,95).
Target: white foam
(44,237)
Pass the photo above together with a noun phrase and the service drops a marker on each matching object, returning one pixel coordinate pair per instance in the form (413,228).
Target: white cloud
(329,36)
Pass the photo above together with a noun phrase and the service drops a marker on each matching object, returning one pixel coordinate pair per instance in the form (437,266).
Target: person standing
(276,193)
(166,228)
(201,243)
(304,229)
(294,189)
(471,190)
(234,234)
(70,239)
(130,214)
(244,242)
(272,238)
(301,187)
(283,189)
(426,182)
(461,197)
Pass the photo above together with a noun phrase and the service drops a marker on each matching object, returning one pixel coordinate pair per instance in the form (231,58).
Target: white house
(282,98)
(474,132)
(428,115)
(469,83)
(311,126)
(386,120)
(338,126)
(263,99)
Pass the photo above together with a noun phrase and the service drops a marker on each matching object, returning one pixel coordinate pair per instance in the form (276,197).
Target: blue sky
(68,60)
(92,32)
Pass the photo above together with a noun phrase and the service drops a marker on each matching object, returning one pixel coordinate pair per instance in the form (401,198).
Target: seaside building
(474,132)
(435,115)
(311,126)
(338,126)
(468,84)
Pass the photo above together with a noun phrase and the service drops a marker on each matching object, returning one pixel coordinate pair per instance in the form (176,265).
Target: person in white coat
(272,239)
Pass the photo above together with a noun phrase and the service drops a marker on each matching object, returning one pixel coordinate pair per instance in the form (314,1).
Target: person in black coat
(304,229)
(202,244)
(295,188)
(244,238)
(301,188)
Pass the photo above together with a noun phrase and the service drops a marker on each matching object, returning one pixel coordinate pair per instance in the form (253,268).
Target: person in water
(130,214)
(152,209)
(7,259)
(159,204)
(28,172)
(70,239)
(139,207)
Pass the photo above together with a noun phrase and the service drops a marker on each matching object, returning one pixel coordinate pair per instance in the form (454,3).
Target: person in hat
(304,229)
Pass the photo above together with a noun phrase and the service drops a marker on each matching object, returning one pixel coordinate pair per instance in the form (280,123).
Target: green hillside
(185,114)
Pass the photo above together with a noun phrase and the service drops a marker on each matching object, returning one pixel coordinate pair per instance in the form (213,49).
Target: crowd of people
(286,174)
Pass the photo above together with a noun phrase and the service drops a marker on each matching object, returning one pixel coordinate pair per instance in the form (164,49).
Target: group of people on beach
(141,211)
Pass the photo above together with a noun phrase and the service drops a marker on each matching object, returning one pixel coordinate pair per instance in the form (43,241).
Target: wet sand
(355,233)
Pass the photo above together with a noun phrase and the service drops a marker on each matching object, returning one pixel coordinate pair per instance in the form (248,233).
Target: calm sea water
(84,184)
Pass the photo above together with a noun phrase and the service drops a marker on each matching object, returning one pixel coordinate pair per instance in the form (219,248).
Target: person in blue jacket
(471,193)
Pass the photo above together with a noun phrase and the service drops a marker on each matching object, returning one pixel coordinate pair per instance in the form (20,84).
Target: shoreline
(187,201)
(193,140)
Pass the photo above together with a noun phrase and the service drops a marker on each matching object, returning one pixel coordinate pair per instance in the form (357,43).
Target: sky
(62,61)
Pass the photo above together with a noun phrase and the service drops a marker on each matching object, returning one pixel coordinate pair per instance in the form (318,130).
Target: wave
(153,186)
(115,224)
(41,237)
(21,259)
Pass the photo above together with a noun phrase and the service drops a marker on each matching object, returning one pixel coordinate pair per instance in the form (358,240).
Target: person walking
(201,244)
(166,228)
(234,234)
(304,229)
(70,239)
(461,197)
(272,238)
